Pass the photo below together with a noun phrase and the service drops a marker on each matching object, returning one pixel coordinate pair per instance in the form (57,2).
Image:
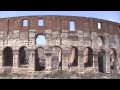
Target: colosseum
(81,46)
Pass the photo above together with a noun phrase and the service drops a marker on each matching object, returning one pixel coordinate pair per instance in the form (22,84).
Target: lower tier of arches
(57,58)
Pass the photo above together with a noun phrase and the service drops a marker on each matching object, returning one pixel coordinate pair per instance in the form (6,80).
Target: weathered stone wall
(56,30)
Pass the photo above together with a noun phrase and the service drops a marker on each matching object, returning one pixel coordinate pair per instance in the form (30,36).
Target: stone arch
(23,56)
(73,57)
(101,41)
(101,60)
(39,59)
(56,57)
(7,56)
(88,57)
(40,39)
(113,59)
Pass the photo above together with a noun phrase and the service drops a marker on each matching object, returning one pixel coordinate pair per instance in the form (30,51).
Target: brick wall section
(4,25)
(59,23)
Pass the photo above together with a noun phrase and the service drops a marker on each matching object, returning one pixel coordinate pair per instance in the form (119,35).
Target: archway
(8,56)
(73,57)
(23,56)
(39,59)
(100,41)
(56,58)
(113,59)
(40,40)
(101,61)
(88,57)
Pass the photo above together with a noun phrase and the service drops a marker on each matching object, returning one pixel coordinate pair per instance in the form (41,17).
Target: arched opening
(113,59)
(23,56)
(39,59)
(88,57)
(56,58)
(101,60)
(40,40)
(73,57)
(100,41)
(8,56)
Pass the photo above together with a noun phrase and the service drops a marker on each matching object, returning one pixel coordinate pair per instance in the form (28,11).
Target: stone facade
(93,47)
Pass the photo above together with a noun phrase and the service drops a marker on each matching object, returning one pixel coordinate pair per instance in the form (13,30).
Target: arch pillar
(1,61)
(108,70)
(107,56)
(65,57)
(48,53)
(15,60)
(95,61)
(80,60)
(31,54)
(56,62)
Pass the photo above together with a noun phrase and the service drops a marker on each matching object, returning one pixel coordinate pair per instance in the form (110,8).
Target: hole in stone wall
(72,25)
(25,23)
(99,25)
(40,22)
(100,41)
(40,40)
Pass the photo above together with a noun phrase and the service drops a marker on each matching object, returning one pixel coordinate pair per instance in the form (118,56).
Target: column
(65,61)
(65,57)
(118,62)
(107,66)
(1,61)
(95,62)
(31,60)
(80,61)
(15,60)
(107,57)
(48,53)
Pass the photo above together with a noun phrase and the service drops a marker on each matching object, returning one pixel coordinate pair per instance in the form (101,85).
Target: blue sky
(107,15)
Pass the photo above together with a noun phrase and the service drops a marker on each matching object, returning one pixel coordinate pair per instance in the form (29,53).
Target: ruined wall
(56,29)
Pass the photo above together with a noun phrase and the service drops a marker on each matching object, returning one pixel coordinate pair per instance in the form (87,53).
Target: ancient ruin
(79,44)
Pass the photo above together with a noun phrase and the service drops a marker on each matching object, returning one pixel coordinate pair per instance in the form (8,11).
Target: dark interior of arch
(90,58)
(8,56)
(39,59)
(23,57)
(111,66)
(75,61)
(101,61)
(56,59)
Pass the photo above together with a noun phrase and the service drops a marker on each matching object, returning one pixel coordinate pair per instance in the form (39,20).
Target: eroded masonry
(71,43)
